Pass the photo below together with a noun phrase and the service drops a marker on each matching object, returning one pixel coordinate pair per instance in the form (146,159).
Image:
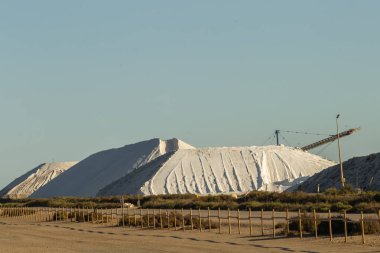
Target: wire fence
(257,223)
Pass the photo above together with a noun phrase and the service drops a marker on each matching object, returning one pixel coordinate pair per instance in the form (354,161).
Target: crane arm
(329,139)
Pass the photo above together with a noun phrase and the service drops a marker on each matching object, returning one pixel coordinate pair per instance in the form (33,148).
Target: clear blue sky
(77,77)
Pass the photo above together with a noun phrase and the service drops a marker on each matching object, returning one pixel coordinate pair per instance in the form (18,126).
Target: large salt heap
(95,172)
(359,172)
(31,181)
(220,170)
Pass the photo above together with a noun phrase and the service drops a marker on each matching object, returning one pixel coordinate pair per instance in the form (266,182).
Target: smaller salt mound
(31,181)
(359,172)
(220,170)
(100,169)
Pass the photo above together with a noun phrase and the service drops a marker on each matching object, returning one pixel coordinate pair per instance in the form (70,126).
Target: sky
(78,77)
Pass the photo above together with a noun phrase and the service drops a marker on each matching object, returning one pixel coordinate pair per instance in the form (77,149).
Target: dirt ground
(78,237)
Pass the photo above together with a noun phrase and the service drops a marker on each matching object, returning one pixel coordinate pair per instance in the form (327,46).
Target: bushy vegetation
(336,201)
(168,220)
(337,226)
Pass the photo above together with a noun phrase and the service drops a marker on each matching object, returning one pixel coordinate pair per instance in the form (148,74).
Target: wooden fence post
(154,218)
(315,225)
(229,221)
(175,219)
(122,215)
(209,219)
(250,222)
(148,218)
(345,226)
(300,223)
(220,221)
(83,217)
(135,217)
(362,225)
(167,218)
(238,218)
(262,222)
(129,217)
(274,223)
(111,217)
(117,217)
(118,222)
(141,218)
(191,219)
(200,220)
(287,223)
(183,220)
(161,219)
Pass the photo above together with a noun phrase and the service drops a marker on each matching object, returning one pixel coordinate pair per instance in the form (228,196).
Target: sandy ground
(74,237)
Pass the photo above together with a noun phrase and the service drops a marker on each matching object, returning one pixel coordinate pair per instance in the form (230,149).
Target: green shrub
(168,220)
(337,225)
(339,207)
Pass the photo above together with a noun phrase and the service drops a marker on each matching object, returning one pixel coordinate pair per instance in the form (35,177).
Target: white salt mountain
(100,169)
(359,172)
(220,170)
(31,181)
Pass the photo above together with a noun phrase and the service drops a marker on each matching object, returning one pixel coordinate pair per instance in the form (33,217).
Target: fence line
(187,219)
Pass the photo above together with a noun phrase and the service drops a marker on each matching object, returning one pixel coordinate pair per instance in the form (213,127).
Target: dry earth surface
(75,237)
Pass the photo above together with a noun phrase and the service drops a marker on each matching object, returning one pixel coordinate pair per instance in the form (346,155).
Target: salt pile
(31,181)
(98,170)
(220,170)
(360,172)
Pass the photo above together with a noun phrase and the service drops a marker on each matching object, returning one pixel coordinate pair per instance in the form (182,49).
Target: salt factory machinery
(319,143)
